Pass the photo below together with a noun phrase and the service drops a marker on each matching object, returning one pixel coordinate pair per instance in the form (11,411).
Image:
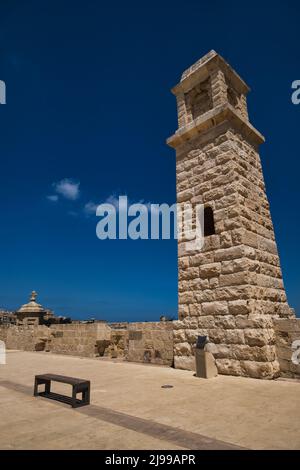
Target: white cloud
(114,200)
(73,213)
(90,208)
(68,188)
(119,205)
(53,198)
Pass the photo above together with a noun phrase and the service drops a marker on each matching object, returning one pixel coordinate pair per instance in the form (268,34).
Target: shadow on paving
(179,437)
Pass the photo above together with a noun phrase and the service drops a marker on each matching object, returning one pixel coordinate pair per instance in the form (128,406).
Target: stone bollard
(205,361)
(205,364)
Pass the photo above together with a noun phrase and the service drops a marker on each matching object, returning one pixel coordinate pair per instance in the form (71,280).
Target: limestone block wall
(232,289)
(77,339)
(139,342)
(150,342)
(158,342)
(288,347)
(73,339)
(118,342)
(26,338)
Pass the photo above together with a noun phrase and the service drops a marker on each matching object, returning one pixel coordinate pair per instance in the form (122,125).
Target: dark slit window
(209,224)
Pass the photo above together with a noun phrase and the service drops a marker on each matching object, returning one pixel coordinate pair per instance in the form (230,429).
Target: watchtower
(232,289)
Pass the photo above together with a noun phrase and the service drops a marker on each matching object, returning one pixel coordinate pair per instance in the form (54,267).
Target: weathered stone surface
(224,321)
(215,308)
(40,346)
(254,321)
(195,310)
(179,324)
(218,335)
(147,342)
(179,336)
(253,353)
(205,364)
(219,351)
(182,349)
(201,259)
(183,311)
(259,370)
(287,346)
(229,253)
(234,279)
(243,264)
(234,285)
(209,270)
(184,362)
(225,240)
(259,336)
(190,323)
(191,336)
(229,367)
(238,307)
(209,321)
(213,282)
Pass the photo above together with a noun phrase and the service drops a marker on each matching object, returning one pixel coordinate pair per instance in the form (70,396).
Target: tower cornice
(210,120)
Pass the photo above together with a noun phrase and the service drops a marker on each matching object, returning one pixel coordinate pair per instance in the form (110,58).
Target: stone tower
(232,289)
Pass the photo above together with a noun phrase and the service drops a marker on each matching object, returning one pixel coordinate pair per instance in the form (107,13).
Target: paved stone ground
(130,410)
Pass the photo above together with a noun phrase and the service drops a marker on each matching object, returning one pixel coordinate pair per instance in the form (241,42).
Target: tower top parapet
(205,67)
(210,93)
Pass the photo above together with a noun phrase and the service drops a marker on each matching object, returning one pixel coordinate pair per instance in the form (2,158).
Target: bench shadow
(61,398)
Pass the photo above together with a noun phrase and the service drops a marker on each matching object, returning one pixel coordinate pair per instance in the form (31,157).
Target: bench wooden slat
(62,378)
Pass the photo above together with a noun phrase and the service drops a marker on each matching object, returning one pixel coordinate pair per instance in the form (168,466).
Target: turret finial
(33,296)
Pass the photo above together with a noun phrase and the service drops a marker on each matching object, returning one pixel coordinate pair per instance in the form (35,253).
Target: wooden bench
(78,386)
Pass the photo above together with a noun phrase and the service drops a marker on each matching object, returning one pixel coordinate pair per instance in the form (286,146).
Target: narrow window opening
(209,223)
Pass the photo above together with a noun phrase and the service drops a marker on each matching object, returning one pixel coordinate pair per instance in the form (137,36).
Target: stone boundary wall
(25,338)
(77,339)
(147,342)
(74,339)
(288,351)
(150,342)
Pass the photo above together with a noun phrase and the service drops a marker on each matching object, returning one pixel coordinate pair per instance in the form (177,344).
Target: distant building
(33,313)
(7,318)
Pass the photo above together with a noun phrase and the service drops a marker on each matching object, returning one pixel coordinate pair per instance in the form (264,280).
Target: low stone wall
(74,339)
(138,342)
(288,347)
(151,342)
(25,338)
(77,339)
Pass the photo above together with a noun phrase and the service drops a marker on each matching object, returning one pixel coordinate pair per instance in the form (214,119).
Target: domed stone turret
(32,313)
(32,305)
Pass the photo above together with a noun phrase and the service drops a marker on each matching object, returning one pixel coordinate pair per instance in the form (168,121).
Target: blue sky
(88,99)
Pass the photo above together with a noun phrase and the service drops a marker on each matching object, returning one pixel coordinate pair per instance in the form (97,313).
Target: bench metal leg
(74,394)
(86,396)
(85,391)
(36,384)
(47,386)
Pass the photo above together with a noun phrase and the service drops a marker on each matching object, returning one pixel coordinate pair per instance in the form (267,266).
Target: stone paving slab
(130,410)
